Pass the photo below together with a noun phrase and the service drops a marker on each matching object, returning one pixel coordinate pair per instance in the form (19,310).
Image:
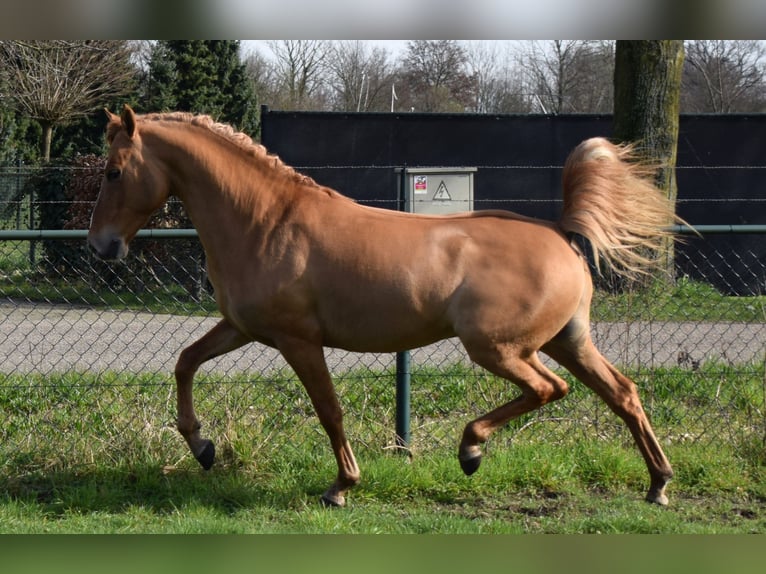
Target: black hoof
(207,456)
(471,465)
(327,503)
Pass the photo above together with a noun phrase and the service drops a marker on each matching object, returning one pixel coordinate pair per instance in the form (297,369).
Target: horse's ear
(128,118)
(110,116)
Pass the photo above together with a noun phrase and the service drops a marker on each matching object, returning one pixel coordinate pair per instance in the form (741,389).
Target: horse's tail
(610,199)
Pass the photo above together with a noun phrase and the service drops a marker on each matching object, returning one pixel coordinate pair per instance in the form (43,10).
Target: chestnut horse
(298,267)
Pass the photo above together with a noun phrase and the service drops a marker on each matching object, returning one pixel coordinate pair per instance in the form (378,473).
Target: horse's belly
(383,329)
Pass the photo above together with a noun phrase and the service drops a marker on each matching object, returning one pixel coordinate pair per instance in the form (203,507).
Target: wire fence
(88,351)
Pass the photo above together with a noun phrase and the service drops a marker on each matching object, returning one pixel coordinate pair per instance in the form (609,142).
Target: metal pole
(719,229)
(403,372)
(32,224)
(31,234)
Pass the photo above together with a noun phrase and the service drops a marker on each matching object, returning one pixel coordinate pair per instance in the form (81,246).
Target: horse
(298,266)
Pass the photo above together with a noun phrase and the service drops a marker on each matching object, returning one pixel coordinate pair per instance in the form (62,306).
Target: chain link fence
(88,351)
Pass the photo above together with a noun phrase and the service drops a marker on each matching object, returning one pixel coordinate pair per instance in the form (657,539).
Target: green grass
(166,300)
(14,257)
(96,453)
(427,495)
(21,280)
(687,300)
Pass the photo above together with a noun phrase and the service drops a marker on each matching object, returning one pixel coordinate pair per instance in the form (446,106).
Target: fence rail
(32,234)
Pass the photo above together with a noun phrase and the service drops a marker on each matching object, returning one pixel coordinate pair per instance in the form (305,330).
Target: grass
(95,453)
(687,300)
(427,495)
(125,289)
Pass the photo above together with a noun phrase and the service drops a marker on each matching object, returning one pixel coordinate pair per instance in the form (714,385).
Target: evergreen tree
(19,138)
(204,77)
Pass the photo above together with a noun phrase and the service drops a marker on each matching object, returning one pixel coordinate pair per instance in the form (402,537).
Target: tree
(360,77)
(299,68)
(724,76)
(19,137)
(647,89)
(436,77)
(497,82)
(261,75)
(571,76)
(55,81)
(202,76)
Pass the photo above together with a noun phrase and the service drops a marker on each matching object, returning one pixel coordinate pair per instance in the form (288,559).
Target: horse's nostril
(113,249)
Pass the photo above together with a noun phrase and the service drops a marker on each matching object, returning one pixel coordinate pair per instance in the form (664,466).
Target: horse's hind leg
(308,362)
(538,386)
(219,340)
(583,360)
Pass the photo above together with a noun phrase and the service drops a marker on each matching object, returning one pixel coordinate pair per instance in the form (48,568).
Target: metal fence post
(403,399)
(403,372)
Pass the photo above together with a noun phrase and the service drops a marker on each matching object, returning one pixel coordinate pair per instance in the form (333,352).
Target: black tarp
(721,169)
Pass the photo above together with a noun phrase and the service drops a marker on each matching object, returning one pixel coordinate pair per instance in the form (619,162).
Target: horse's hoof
(207,456)
(470,465)
(332,501)
(659,499)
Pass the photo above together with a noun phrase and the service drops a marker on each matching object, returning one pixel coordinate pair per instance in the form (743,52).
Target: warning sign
(442,193)
(421,184)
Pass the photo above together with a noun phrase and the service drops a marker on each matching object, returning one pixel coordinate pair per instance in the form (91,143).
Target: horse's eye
(113,174)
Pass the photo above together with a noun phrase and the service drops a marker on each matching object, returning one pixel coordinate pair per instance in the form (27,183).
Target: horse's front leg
(308,362)
(219,340)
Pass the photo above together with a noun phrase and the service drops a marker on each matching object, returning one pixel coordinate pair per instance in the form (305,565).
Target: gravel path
(51,338)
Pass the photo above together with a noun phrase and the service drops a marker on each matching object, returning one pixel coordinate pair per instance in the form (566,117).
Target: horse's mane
(241,140)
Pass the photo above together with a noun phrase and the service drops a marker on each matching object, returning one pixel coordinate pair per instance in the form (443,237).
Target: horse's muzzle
(108,246)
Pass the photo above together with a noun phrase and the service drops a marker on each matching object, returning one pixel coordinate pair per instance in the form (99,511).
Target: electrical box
(438,190)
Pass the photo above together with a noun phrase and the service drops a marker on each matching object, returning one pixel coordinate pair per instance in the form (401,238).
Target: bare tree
(299,68)
(55,81)
(498,85)
(361,77)
(262,74)
(570,76)
(436,77)
(724,76)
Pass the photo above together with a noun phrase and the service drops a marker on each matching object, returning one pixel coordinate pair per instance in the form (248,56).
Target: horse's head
(133,187)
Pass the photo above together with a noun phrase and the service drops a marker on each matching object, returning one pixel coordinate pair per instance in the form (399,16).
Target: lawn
(94,453)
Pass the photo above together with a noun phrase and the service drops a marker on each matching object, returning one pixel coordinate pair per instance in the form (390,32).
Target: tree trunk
(647,90)
(45,144)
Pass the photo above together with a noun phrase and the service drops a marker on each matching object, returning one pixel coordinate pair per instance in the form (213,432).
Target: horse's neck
(214,180)
(227,195)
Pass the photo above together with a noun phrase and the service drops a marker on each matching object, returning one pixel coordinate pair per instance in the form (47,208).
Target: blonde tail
(610,199)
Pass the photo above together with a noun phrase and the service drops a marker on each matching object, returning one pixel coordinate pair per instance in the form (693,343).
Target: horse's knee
(543,394)
(185,364)
(559,390)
